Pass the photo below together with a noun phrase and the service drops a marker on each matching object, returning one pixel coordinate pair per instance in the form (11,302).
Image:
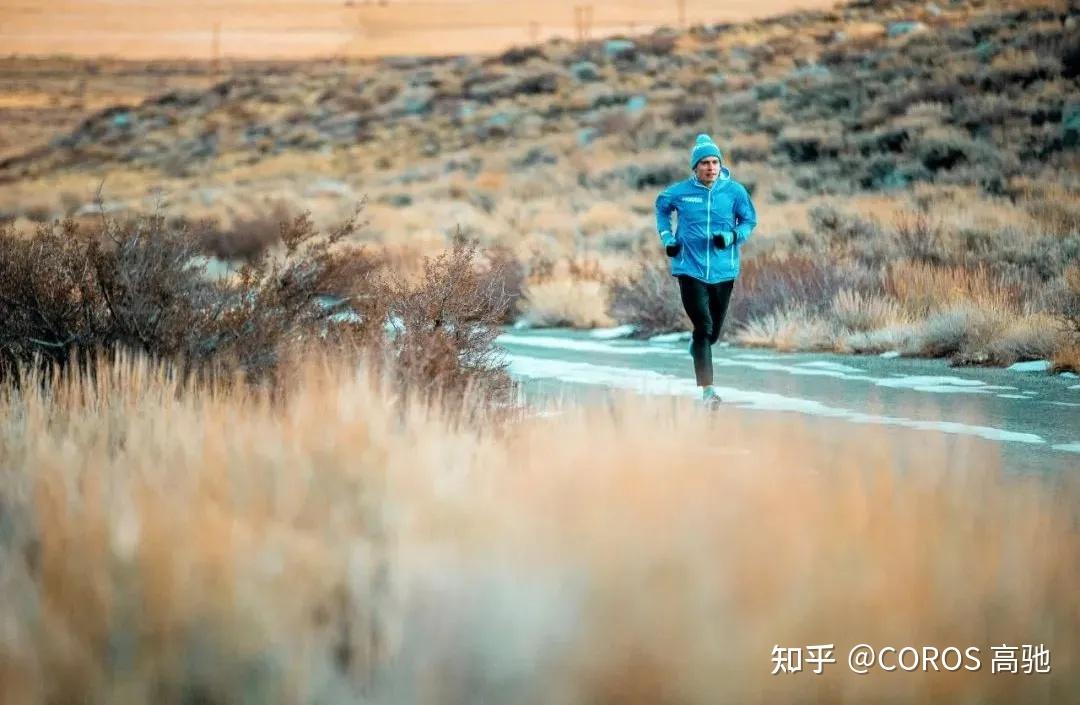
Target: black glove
(673,249)
(720,243)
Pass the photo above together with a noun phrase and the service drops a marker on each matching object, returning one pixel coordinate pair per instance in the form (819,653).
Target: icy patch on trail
(613,333)
(940,385)
(677,337)
(1068,447)
(655,383)
(834,366)
(934,384)
(1031,366)
(552,343)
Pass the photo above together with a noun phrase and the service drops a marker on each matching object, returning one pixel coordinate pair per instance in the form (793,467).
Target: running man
(715,217)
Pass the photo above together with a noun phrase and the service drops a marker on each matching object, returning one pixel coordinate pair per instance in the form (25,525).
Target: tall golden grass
(162,542)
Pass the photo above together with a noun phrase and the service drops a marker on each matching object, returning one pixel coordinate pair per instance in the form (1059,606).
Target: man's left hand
(724,240)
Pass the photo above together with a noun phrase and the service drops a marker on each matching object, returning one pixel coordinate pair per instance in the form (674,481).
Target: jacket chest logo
(692,199)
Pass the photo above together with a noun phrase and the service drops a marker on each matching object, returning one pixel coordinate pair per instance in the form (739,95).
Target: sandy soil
(318,28)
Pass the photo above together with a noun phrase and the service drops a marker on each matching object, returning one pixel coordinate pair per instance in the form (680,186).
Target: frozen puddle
(655,383)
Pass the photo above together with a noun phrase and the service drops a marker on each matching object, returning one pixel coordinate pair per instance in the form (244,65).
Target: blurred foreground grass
(166,543)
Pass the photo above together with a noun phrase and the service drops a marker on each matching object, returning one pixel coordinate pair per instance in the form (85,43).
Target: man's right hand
(673,249)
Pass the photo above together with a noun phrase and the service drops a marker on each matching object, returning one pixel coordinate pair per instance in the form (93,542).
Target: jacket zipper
(708,233)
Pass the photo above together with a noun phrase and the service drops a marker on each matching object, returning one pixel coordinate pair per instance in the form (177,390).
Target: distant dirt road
(295,29)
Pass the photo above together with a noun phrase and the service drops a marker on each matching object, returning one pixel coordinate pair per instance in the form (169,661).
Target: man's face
(707,170)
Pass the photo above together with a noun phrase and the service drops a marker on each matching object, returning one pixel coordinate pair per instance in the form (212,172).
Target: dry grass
(1032,337)
(647,296)
(176,545)
(896,338)
(605,217)
(567,301)
(859,312)
(924,288)
(792,328)
(1067,358)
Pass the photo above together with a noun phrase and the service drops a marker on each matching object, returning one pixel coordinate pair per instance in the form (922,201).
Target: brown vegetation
(216,545)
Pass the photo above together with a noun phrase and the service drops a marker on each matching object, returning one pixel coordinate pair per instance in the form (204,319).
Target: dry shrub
(508,272)
(1055,207)
(752,147)
(809,143)
(1033,337)
(924,288)
(649,300)
(919,237)
(1070,308)
(896,338)
(231,548)
(1067,358)
(859,312)
(772,283)
(964,329)
(444,349)
(248,236)
(567,301)
(843,230)
(793,328)
(604,217)
(138,284)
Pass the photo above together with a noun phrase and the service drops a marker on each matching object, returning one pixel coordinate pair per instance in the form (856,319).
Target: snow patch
(613,333)
(655,383)
(1068,447)
(940,384)
(677,337)
(1030,366)
(590,346)
(834,366)
(890,354)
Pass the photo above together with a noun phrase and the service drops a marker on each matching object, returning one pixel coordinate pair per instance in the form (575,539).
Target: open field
(914,167)
(288,29)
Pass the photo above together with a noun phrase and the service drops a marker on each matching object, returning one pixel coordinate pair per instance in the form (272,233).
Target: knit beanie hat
(704,147)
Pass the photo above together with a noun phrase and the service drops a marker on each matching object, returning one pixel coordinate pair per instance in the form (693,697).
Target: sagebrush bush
(247,236)
(794,328)
(649,299)
(444,346)
(69,293)
(772,283)
(138,284)
(857,312)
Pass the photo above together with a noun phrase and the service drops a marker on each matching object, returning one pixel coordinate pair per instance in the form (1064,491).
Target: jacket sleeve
(745,216)
(665,204)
